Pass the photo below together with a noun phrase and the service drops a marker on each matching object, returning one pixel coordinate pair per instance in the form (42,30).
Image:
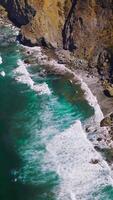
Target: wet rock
(94,161)
(107,121)
(97,148)
(111,116)
(108,89)
(90,129)
(108,154)
(27,61)
(105,63)
(99,139)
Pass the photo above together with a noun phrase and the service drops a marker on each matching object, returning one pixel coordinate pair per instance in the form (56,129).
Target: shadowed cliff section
(20,11)
(67,33)
(41,21)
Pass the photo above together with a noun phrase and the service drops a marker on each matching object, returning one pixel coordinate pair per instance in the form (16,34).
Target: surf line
(23,76)
(60,69)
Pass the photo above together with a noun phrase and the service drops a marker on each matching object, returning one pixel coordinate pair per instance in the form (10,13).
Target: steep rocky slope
(41,21)
(82,26)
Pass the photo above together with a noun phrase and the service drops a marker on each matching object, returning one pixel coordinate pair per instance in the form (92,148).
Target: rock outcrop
(84,27)
(20,12)
(107,121)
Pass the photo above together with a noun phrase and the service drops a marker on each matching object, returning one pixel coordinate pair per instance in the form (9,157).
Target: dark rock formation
(19,11)
(107,121)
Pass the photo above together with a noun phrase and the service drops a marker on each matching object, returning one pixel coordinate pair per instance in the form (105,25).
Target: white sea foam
(2,73)
(1,60)
(92,101)
(43,60)
(59,68)
(23,76)
(36,51)
(62,70)
(71,155)
(42,88)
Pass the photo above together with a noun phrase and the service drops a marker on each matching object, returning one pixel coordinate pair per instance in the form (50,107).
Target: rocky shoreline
(72,68)
(101,137)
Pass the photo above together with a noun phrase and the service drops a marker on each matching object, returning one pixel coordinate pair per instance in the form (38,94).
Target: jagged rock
(105,63)
(108,89)
(111,116)
(107,121)
(94,161)
(21,12)
(3,12)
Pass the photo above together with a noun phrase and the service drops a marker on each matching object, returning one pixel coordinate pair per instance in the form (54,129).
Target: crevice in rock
(67,33)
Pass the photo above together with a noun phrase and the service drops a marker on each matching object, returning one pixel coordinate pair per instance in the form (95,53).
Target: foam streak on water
(92,101)
(23,76)
(70,154)
(0,60)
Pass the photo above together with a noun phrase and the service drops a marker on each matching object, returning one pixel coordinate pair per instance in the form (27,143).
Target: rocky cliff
(82,26)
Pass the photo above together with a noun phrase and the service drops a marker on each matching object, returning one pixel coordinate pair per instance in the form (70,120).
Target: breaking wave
(23,76)
(81,169)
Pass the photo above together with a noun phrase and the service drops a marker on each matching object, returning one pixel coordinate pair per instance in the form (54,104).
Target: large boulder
(107,121)
(108,88)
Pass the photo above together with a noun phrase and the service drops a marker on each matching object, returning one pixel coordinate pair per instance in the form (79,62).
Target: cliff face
(82,26)
(41,21)
(46,27)
(20,11)
(92,27)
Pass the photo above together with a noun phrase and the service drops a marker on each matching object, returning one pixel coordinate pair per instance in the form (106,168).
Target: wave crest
(23,76)
(71,155)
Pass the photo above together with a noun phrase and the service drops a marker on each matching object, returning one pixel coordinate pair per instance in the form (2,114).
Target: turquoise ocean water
(44,154)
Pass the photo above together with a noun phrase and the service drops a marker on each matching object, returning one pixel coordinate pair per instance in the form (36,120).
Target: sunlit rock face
(85,27)
(41,21)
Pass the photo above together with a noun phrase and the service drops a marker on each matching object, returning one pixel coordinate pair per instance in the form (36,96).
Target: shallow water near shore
(44,152)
